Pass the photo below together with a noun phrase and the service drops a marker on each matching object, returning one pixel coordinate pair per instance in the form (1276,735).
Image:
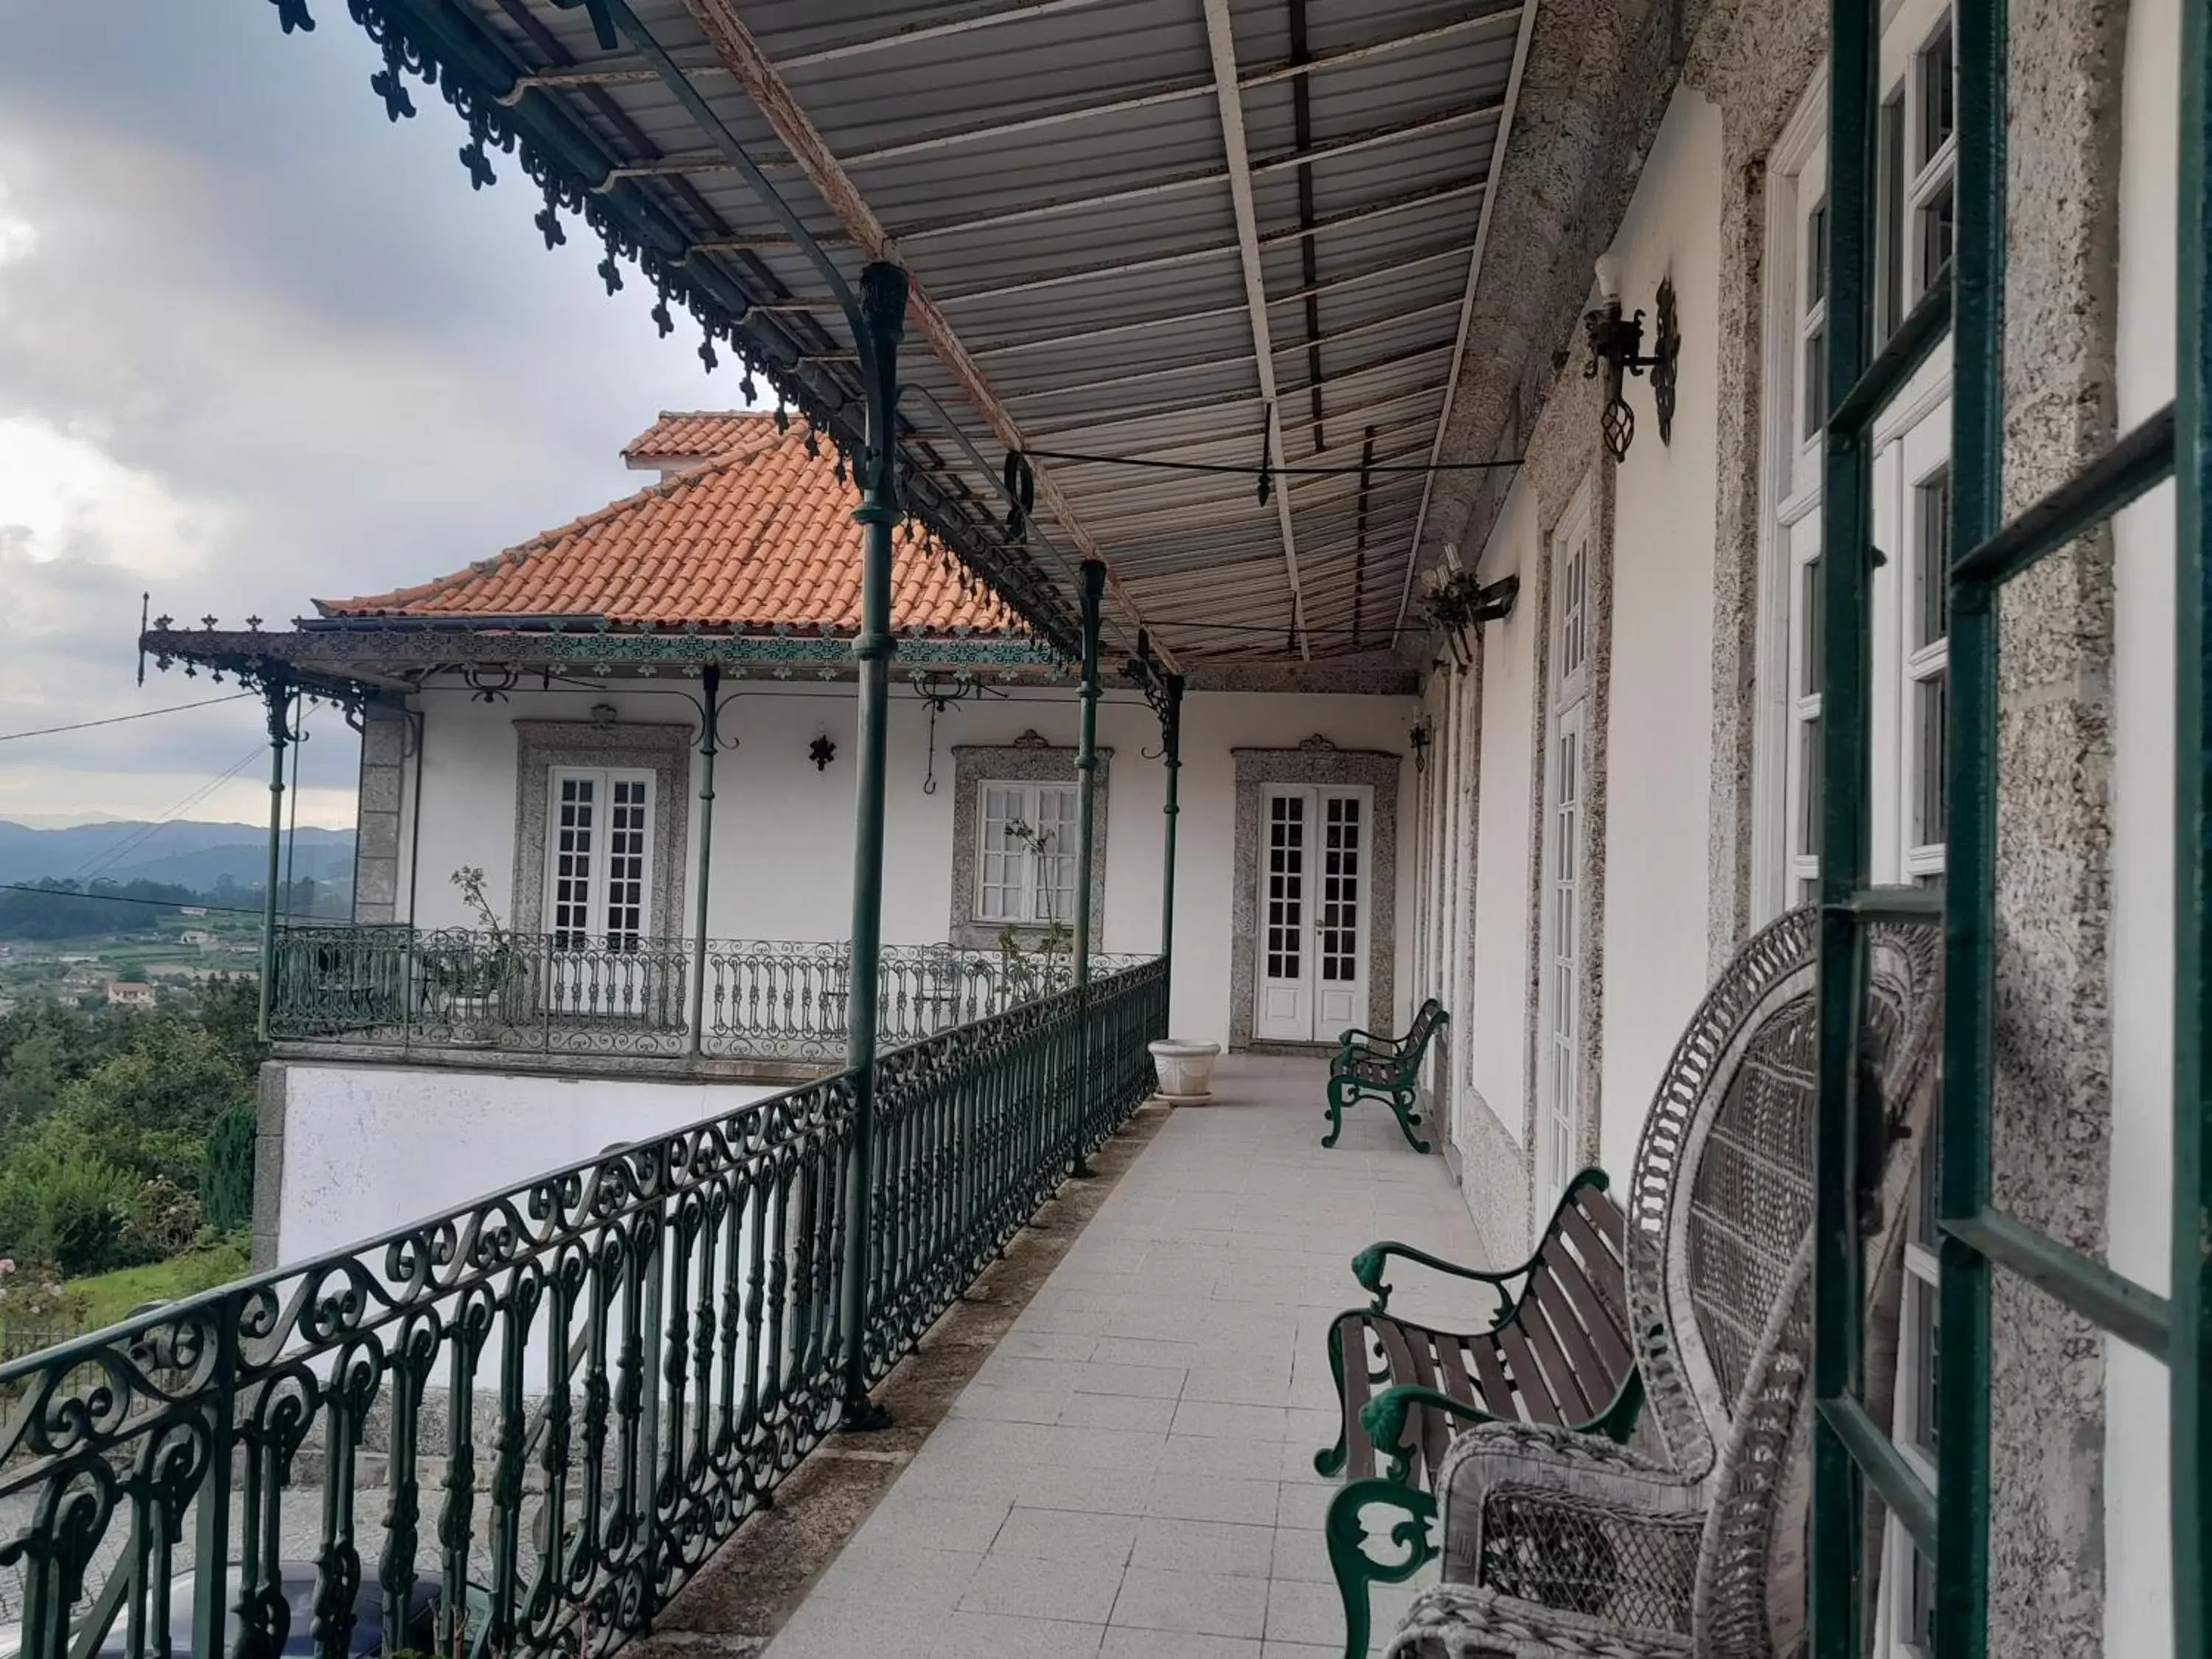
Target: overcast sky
(259,345)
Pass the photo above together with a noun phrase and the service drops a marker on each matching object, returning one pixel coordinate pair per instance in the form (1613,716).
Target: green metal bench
(1557,1351)
(1370,1065)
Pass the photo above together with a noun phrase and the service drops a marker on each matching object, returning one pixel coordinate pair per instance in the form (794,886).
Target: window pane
(1938,111)
(1816,383)
(1812,656)
(1931,807)
(1935,228)
(1932,507)
(1816,256)
(1889,234)
(1809,792)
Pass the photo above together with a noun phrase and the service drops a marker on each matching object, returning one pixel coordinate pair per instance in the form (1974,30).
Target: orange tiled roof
(688,435)
(761,536)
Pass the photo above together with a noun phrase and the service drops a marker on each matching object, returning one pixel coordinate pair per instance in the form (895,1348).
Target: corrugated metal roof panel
(1053,173)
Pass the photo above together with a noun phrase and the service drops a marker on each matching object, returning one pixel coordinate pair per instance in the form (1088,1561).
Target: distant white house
(130,993)
(539,717)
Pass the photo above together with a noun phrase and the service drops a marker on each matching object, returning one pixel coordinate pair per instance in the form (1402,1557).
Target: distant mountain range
(189,853)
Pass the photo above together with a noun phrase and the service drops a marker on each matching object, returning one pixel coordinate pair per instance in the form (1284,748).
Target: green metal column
(883,307)
(1171,749)
(1086,764)
(710,714)
(278,692)
(2190,1348)
(1086,777)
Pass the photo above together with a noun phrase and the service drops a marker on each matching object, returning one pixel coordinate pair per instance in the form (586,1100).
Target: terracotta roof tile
(762,535)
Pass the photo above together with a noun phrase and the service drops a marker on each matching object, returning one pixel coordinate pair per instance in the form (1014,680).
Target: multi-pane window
(1025,869)
(1286,872)
(1911,1622)
(598,877)
(1338,946)
(1813,324)
(1927,676)
(1558,1083)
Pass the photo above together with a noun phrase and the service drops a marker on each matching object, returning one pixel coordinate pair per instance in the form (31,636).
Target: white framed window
(1914,235)
(599,858)
(1026,851)
(1559,1060)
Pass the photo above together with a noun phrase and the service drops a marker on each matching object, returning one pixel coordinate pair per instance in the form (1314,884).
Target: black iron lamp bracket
(1616,343)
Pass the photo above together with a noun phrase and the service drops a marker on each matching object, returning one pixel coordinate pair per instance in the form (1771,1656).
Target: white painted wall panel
(1499,1027)
(783,842)
(1659,738)
(370,1148)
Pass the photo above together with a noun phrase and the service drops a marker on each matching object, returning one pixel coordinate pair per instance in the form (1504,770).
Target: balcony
(565,1396)
(470,993)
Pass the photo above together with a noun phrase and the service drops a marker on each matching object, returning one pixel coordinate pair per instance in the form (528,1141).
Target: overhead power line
(127,898)
(118,719)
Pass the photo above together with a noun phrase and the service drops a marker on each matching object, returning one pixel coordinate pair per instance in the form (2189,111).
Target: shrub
(165,1222)
(88,1206)
(226,1176)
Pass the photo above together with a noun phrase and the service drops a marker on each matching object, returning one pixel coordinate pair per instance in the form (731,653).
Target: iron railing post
(883,307)
(278,690)
(1086,779)
(710,687)
(1171,752)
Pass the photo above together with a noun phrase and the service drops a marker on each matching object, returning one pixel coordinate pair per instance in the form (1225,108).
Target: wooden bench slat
(1352,1332)
(1494,1388)
(1528,1377)
(1555,1331)
(1608,1354)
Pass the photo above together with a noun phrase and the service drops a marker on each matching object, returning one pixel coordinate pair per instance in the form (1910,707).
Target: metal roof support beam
(1213,406)
(1496,17)
(1372,138)
(1221,42)
(734,45)
(1457,249)
(1467,308)
(1272,239)
(963,20)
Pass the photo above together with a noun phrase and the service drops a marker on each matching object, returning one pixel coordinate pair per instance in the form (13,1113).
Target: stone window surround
(660,748)
(1028,759)
(1315,761)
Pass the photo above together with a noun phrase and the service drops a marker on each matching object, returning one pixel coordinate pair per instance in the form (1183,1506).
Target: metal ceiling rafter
(965,20)
(1467,308)
(1210,405)
(717,19)
(1350,144)
(1268,244)
(1351,331)
(1221,42)
(1395,267)
(1178,92)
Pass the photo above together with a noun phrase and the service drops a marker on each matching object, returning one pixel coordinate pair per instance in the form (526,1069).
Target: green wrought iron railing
(521,1425)
(537,993)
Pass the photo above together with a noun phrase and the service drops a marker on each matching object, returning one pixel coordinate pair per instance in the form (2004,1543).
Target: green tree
(149,1109)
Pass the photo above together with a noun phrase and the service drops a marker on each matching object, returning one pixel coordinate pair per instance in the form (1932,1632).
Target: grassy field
(108,1298)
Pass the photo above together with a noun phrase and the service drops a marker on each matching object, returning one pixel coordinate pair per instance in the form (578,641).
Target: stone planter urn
(1185,1070)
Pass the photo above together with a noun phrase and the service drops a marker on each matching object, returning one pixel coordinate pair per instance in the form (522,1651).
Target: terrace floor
(1130,1475)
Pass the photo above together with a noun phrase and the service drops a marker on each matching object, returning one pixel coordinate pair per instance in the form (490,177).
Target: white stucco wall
(2138,1599)
(1659,737)
(782,863)
(1499,1026)
(370,1148)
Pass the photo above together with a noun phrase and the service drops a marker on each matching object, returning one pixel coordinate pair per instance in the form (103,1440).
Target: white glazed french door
(1312,983)
(599,891)
(1566,782)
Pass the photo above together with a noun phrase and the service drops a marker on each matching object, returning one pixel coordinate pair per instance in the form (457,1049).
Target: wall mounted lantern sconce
(1454,601)
(1417,740)
(1616,345)
(821,751)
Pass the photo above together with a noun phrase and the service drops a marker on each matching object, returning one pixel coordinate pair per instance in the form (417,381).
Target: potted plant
(472,975)
(1453,601)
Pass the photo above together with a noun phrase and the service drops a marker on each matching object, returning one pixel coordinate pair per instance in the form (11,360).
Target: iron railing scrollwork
(543,993)
(563,1396)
